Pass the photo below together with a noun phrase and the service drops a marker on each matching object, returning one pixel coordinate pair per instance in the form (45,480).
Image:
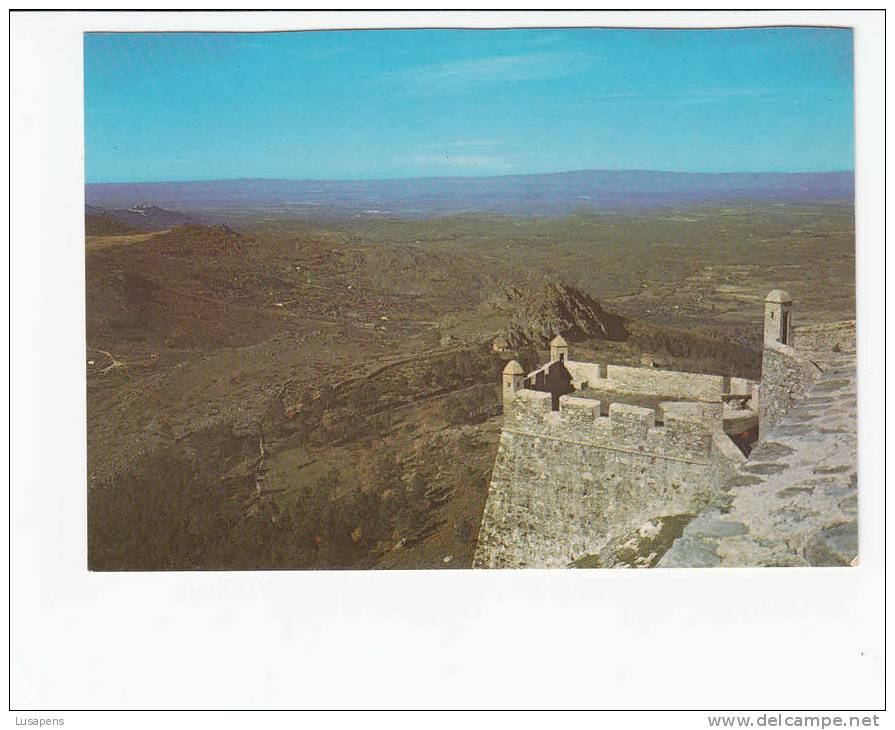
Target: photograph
(470,299)
(406,367)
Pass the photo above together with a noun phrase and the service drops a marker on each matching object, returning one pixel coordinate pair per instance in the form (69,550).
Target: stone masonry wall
(667,382)
(833,337)
(629,379)
(586,372)
(786,375)
(795,501)
(567,483)
(788,372)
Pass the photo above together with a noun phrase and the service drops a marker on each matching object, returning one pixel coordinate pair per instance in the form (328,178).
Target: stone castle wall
(787,372)
(571,483)
(794,502)
(568,482)
(833,337)
(586,372)
(669,383)
(786,375)
(630,379)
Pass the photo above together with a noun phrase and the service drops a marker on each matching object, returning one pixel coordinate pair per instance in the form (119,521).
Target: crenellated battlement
(589,451)
(677,430)
(670,384)
(570,475)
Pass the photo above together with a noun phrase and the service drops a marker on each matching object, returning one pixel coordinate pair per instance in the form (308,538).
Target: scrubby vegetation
(170,516)
(103,225)
(293,397)
(171,512)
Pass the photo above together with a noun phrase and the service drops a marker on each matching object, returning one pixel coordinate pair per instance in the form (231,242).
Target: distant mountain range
(528,195)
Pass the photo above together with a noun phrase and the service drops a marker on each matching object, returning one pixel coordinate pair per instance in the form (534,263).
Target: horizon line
(468,177)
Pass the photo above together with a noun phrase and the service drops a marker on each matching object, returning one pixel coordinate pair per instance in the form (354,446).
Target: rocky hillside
(310,399)
(98,224)
(193,286)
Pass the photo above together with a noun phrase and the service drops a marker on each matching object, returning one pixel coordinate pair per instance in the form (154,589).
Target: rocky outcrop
(641,548)
(558,309)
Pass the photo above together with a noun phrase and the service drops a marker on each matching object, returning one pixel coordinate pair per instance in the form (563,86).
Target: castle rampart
(831,337)
(631,379)
(672,384)
(794,502)
(793,357)
(786,375)
(582,462)
(683,435)
(567,482)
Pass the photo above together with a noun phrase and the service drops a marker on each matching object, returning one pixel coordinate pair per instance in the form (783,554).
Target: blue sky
(383,104)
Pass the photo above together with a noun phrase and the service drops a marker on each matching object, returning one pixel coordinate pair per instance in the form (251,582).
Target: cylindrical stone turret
(559,349)
(513,375)
(778,317)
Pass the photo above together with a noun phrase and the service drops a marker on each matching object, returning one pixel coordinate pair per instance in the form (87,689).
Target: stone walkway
(794,502)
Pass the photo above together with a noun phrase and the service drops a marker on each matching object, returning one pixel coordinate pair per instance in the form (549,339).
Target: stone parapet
(667,383)
(587,374)
(567,483)
(832,337)
(794,501)
(684,434)
(786,375)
